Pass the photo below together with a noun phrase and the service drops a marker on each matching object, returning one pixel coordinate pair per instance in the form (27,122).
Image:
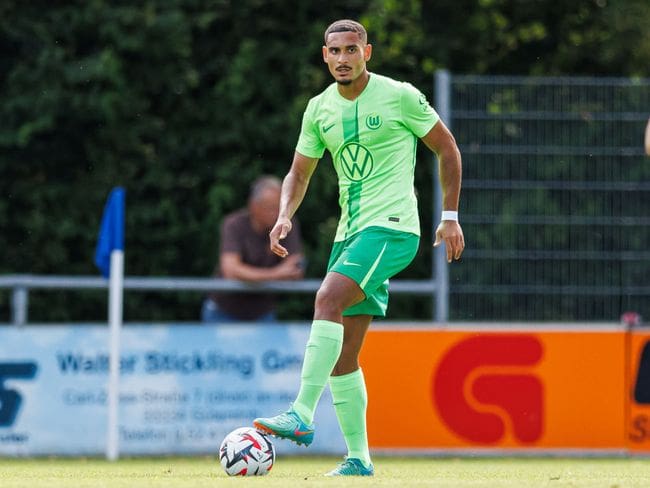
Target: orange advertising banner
(638,392)
(475,388)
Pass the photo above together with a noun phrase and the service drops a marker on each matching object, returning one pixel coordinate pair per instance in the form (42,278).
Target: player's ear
(367,52)
(325,53)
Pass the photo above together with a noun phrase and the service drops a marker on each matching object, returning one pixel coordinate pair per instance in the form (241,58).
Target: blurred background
(185,102)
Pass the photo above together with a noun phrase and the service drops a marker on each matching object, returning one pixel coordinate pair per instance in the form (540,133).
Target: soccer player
(370,124)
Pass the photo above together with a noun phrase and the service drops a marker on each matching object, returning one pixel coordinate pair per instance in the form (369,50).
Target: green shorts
(370,257)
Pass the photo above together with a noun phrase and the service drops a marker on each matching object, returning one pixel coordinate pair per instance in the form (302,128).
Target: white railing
(20,286)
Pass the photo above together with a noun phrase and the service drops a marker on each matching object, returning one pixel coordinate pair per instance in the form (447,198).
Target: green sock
(322,352)
(350,402)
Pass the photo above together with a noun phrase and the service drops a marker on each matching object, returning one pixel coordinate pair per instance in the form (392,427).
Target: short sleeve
(417,113)
(309,142)
(231,237)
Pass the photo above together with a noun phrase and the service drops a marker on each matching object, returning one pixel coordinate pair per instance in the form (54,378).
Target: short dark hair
(347,25)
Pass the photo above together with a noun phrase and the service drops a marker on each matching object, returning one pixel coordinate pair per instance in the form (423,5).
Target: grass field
(293,471)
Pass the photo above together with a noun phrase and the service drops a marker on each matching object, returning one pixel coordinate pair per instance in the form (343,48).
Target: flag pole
(109,258)
(116,286)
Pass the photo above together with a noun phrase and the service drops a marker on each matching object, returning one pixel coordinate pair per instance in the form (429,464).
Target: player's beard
(344,82)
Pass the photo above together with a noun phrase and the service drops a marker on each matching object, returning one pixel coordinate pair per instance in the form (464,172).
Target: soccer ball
(246,452)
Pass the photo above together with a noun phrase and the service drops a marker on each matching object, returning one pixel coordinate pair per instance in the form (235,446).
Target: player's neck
(354,89)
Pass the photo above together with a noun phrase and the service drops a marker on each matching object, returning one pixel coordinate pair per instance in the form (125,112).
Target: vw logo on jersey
(356,161)
(373,121)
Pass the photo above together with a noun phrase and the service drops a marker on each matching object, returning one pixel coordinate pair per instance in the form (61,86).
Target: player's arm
(441,141)
(294,187)
(647,138)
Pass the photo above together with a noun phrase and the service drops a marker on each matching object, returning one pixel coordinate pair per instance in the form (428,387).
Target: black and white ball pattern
(246,452)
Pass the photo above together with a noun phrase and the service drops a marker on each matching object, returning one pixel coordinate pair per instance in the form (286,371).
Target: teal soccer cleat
(352,467)
(287,425)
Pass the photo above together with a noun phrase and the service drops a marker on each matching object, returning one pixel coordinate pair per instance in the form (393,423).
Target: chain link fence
(556,198)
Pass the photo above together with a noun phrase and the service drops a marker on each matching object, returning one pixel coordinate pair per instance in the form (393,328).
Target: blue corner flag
(111,232)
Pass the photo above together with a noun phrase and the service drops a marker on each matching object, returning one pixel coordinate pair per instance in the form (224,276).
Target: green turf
(400,472)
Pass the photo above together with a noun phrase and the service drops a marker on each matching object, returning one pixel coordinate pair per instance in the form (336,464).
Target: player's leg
(351,400)
(356,284)
(326,340)
(337,292)
(354,333)
(383,253)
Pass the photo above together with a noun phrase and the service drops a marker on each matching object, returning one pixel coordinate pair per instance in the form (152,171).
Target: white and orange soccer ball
(246,452)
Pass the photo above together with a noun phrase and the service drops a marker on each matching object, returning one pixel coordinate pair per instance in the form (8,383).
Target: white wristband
(449,215)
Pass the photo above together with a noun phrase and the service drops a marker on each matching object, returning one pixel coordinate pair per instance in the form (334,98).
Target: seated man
(244,254)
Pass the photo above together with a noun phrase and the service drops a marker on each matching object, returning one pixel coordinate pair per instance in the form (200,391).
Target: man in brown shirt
(244,255)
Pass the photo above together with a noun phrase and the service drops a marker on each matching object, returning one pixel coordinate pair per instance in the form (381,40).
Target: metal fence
(20,287)
(555,206)
(555,203)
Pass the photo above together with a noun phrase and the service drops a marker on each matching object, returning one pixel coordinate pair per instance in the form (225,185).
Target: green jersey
(373,142)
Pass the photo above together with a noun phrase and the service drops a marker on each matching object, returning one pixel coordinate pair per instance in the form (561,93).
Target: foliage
(184,102)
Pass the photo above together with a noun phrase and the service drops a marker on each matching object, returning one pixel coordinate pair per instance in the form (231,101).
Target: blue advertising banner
(182,388)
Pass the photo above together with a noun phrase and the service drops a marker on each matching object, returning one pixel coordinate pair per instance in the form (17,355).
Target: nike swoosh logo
(301,433)
(325,129)
(348,263)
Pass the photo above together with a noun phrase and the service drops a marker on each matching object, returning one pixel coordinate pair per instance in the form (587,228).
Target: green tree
(184,102)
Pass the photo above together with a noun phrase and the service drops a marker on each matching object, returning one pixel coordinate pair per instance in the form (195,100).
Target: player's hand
(279,231)
(450,232)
